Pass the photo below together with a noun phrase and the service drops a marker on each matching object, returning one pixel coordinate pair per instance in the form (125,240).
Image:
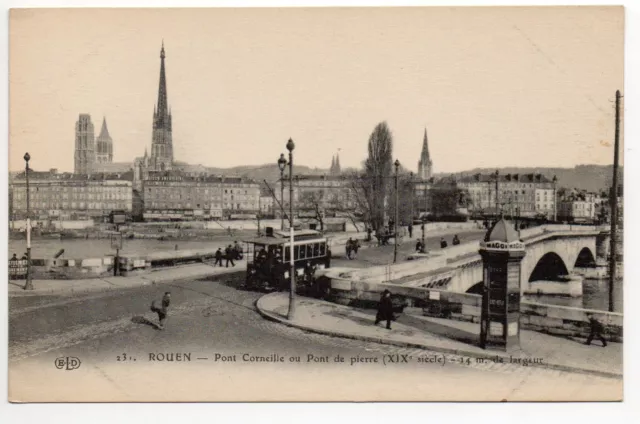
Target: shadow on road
(139,319)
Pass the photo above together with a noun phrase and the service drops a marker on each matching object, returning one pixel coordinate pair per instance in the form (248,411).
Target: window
(322,249)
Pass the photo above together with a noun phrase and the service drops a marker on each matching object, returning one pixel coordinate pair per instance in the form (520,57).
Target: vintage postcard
(351,204)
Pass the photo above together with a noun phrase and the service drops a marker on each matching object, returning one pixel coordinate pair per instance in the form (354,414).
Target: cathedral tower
(425,165)
(162,143)
(84,155)
(104,145)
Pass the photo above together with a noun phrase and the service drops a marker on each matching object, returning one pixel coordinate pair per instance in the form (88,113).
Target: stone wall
(551,319)
(567,321)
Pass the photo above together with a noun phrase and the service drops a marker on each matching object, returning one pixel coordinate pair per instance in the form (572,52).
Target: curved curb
(273,317)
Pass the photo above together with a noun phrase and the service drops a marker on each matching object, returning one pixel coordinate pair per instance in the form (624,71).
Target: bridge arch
(585,259)
(549,267)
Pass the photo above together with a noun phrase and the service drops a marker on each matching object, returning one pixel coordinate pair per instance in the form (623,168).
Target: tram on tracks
(268,259)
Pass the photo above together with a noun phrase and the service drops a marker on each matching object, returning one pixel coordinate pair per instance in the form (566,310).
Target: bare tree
(375,182)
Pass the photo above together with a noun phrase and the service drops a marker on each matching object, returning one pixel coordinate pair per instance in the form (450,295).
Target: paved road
(382,255)
(211,317)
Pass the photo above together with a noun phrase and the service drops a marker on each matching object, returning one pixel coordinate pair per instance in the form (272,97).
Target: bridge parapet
(553,319)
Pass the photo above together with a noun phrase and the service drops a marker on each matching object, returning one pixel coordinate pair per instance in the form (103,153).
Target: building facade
(84,154)
(177,195)
(576,210)
(526,195)
(70,196)
(328,193)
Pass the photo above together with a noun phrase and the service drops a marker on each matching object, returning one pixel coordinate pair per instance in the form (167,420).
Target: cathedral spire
(333,165)
(162,87)
(425,147)
(337,171)
(104,132)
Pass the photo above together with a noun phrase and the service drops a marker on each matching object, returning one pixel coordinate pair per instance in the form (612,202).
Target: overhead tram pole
(292,288)
(613,198)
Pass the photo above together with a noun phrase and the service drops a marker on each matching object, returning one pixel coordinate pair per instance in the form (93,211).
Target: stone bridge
(552,251)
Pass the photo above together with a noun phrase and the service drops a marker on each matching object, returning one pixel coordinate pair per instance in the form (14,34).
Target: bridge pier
(603,248)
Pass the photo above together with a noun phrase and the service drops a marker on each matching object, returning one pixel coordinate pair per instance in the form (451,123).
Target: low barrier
(551,319)
(70,269)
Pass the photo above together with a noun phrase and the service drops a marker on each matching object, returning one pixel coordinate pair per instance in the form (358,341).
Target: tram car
(268,258)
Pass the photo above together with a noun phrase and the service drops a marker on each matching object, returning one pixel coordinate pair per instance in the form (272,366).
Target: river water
(595,295)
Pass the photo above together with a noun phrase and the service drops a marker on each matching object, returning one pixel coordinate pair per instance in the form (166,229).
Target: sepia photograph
(359,204)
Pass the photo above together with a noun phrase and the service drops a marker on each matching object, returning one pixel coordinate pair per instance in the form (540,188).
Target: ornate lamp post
(395,221)
(282,163)
(292,288)
(29,284)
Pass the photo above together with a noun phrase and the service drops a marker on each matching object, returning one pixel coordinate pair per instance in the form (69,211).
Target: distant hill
(593,178)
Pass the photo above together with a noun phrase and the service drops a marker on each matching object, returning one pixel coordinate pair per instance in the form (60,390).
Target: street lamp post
(555,199)
(292,288)
(497,175)
(29,284)
(395,221)
(411,195)
(282,163)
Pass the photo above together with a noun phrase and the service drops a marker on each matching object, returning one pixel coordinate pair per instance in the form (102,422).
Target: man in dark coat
(419,246)
(218,257)
(385,309)
(162,310)
(228,255)
(443,243)
(410,229)
(456,240)
(596,330)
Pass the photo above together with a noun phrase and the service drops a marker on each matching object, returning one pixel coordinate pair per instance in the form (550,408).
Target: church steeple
(163,105)
(337,169)
(425,165)
(162,142)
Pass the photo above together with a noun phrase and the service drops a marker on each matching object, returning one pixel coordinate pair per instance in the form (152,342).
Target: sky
(494,87)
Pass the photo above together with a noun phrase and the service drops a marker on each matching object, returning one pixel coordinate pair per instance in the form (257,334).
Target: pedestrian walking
(385,309)
(410,228)
(596,329)
(162,310)
(349,247)
(228,253)
(218,256)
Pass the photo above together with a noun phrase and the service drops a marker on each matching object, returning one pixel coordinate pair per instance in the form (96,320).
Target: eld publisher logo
(68,363)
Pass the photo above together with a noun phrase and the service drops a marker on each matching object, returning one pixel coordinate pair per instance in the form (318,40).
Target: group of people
(230,253)
(352,247)
(455,241)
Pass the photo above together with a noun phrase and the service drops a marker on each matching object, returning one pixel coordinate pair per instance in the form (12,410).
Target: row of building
(175,194)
